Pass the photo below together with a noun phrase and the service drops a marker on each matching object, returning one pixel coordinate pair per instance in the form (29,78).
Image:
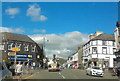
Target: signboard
(20,55)
(15,49)
(11,53)
(38,56)
(53,64)
(21,59)
(1,47)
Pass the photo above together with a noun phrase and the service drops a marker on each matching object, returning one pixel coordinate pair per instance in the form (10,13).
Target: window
(114,50)
(94,42)
(33,48)
(104,50)
(89,50)
(113,43)
(18,46)
(94,49)
(26,48)
(104,43)
(10,45)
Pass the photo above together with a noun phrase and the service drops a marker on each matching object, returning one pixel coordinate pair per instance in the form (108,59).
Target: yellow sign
(11,53)
(30,56)
(38,56)
(15,49)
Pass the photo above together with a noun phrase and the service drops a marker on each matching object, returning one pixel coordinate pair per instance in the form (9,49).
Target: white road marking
(61,75)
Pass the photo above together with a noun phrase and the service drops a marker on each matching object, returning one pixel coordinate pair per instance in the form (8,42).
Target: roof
(15,37)
(107,37)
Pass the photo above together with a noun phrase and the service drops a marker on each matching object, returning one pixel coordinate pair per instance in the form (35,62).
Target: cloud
(34,11)
(12,11)
(16,30)
(62,45)
(43,31)
(39,31)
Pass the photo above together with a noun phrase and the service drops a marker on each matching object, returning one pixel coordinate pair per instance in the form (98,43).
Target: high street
(67,74)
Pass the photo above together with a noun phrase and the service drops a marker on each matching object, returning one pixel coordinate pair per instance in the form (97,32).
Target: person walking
(104,67)
(19,70)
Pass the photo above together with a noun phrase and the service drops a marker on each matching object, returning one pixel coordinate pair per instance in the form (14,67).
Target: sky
(66,25)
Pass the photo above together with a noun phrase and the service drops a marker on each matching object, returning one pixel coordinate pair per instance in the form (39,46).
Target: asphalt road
(67,74)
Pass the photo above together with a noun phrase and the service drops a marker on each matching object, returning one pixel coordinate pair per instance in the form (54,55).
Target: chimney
(91,36)
(116,34)
(98,33)
(118,26)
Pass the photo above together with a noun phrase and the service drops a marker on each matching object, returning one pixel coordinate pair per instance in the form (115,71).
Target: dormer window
(26,47)
(33,48)
(18,45)
(10,44)
(104,43)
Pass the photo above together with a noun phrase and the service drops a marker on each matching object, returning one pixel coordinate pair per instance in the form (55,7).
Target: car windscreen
(96,68)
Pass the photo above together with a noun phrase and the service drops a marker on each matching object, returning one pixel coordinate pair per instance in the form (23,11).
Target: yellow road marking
(29,76)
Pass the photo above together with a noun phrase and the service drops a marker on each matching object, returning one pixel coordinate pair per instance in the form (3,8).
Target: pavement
(64,74)
(27,73)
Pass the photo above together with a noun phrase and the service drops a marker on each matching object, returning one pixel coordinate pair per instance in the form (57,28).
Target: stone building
(28,50)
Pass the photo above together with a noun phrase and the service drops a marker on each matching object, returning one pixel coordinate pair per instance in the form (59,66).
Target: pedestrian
(103,67)
(19,70)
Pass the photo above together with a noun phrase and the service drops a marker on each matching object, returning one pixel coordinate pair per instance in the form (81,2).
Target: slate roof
(15,37)
(109,37)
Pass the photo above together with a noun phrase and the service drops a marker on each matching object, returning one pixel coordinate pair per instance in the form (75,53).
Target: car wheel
(91,73)
(86,73)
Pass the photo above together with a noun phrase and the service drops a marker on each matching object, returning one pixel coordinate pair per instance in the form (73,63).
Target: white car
(95,71)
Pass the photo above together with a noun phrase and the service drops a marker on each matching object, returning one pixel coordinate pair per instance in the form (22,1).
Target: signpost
(15,50)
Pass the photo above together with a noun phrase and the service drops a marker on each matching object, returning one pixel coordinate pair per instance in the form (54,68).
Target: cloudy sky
(65,26)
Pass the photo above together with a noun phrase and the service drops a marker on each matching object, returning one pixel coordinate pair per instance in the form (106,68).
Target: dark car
(118,71)
(4,72)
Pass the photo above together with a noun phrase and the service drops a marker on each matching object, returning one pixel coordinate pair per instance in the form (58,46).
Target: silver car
(4,72)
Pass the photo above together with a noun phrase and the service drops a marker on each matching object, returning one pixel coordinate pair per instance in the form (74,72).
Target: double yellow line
(30,76)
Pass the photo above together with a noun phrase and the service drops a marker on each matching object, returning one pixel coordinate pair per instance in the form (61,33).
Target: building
(117,41)
(27,49)
(73,59)
(99,50)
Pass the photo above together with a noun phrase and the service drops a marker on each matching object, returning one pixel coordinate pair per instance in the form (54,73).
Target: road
(67,74)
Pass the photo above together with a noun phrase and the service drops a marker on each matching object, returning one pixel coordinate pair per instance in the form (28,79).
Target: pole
(15,59)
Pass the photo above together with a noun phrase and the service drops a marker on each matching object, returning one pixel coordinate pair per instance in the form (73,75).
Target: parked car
(95,71)
(118,69)
(4,72)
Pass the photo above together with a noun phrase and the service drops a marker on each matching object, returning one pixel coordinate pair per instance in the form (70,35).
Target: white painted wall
(100,55)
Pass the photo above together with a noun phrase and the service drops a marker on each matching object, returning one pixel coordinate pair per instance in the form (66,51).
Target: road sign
(11,53)
(38,56)
(15,49)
